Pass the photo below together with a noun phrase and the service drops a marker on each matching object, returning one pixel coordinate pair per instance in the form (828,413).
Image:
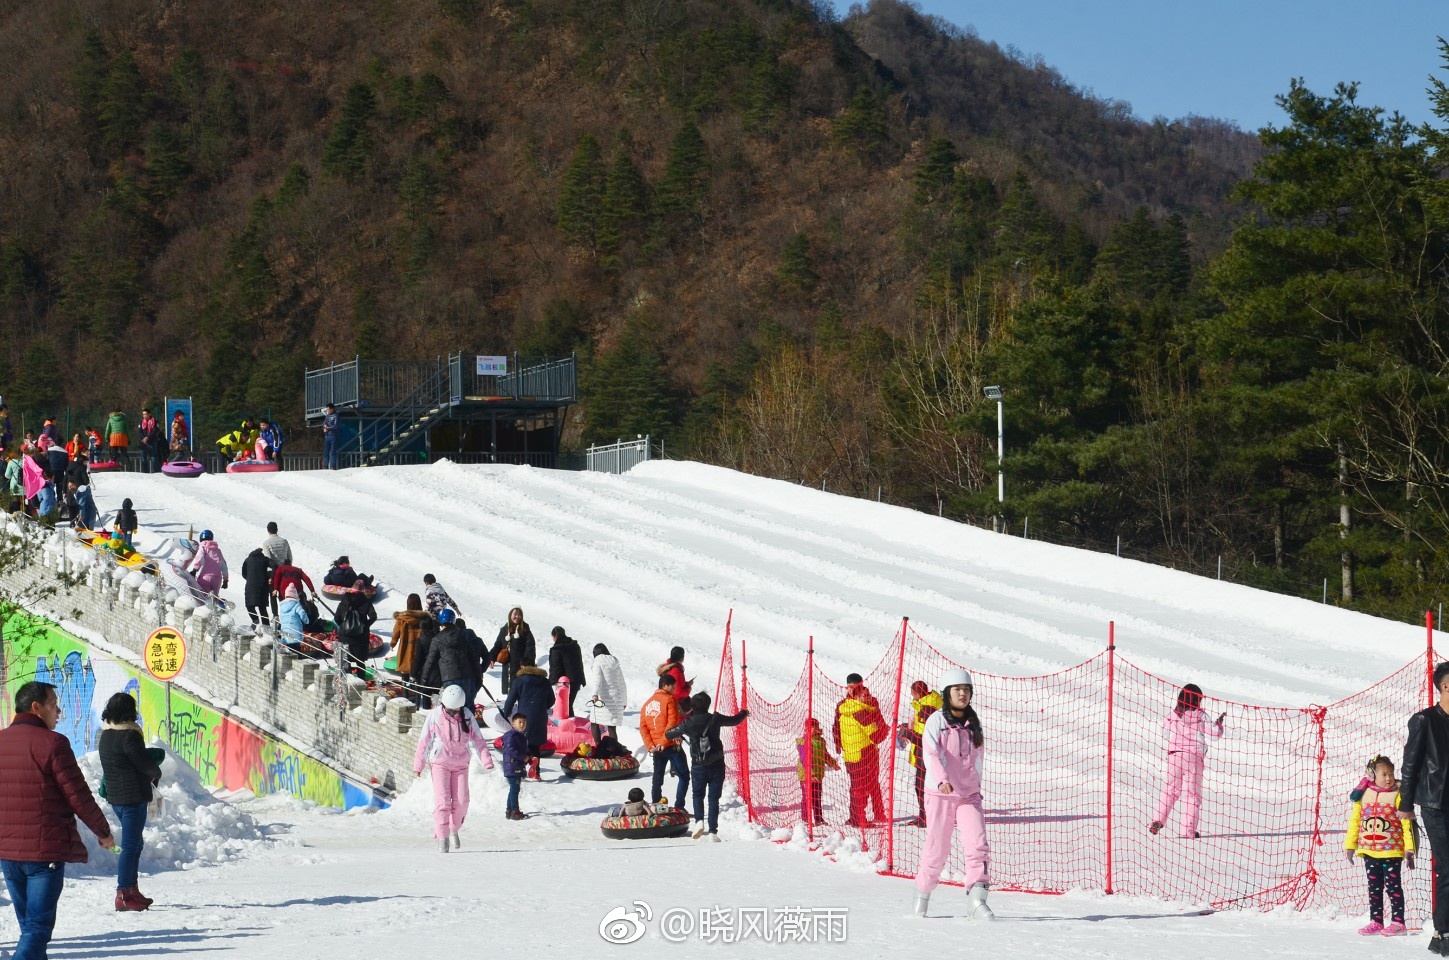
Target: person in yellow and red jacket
(1376,833)
(659,714)
(925,702)
(859,727)
(811,749)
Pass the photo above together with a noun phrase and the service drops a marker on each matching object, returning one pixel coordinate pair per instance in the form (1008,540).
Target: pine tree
(937,171)
(35,388)
(349,145)
(296,184)
(681,192)
(166,164)
(88,80)
(419,189)
(581,197)
(629,391)
(625,206)
(122,102)
(863,127)
(797,270)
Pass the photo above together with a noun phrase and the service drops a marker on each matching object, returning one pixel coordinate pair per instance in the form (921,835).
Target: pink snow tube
(251,466)
(183,468)
(566,732)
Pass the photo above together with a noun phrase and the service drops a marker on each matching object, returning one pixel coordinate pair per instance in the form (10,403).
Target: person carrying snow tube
(209,566)
(1187,729)
(953,747)
(447,734)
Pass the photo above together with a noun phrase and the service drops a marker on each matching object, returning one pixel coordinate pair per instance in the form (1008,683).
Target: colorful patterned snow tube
(183,468)
(594,768)
(661,821)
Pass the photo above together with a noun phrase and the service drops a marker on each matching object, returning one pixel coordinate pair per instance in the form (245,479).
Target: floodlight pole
(994,393)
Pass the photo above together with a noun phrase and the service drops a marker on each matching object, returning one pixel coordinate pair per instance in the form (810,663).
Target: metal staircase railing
(415,411)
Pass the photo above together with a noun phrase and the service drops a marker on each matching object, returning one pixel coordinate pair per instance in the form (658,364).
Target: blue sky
(1221,58)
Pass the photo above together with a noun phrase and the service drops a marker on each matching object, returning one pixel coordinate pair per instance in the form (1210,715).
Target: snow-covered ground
(645,561)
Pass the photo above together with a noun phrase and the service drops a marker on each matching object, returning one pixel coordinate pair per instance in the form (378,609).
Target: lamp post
(994,393)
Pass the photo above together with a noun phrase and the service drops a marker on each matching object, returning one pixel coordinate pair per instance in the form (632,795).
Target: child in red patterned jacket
(1376,833)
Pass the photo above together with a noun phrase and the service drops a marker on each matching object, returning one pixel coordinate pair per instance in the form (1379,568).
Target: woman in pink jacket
(444,742)
(952,746)
(1187,729)
(209,566)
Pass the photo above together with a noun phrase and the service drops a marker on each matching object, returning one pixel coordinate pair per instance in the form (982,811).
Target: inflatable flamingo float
(565,731)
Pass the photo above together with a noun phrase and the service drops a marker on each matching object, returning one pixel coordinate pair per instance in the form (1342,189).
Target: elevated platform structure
(503,409)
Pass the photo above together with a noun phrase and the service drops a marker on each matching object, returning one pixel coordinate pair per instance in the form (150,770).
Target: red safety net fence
(1074,775)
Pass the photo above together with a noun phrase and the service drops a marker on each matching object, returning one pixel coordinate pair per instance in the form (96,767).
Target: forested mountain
(783,242)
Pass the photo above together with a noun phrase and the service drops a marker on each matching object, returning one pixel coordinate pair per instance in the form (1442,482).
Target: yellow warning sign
(164,653)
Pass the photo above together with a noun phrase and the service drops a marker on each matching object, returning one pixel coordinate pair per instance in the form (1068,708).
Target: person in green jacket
(117,430)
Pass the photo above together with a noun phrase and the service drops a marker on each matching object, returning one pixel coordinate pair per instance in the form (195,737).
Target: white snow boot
(457,842)
(922,901)
(445,844)
(977,900)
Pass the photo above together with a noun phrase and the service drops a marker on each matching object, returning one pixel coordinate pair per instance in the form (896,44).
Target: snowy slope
(659,557)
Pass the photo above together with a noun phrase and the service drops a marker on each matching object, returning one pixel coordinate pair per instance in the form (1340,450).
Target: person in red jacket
(286,575)
(42,791)
(674,667)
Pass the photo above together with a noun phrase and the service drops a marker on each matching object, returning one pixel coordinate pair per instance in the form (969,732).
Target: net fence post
(1111,740)
(895,725)
(745,729)
(811,790)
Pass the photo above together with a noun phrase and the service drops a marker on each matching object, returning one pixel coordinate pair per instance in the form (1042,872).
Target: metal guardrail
(338,384)
(543,379)
(619,457)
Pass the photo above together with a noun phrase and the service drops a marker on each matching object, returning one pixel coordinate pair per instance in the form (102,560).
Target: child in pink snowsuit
(952,746)
(209,566)
(1187,729)
(444,745)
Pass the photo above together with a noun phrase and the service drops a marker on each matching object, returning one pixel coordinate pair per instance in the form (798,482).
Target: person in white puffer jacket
(611,696)
(953,746)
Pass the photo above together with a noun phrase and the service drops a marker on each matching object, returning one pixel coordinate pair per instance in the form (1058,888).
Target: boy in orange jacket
(659,713)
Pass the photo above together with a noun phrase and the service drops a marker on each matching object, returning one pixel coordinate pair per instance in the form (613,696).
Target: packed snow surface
(641,562)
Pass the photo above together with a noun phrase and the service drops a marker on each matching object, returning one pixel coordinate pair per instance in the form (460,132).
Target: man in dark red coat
(42,791)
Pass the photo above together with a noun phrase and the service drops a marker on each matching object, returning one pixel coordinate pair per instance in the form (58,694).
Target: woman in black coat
(355,617)
(516,637)
(129,773)
(565,659)
(532,696)
(257,571)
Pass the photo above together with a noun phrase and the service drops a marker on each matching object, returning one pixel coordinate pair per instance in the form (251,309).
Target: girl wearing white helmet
(443,745)
(952,746)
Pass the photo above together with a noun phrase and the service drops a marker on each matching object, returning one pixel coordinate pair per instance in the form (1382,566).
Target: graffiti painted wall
(226,754)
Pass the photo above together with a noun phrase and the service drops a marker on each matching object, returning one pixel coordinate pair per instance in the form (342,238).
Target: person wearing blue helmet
(209,566)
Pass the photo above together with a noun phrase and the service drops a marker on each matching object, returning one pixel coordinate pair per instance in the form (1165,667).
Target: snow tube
(593,768)
(325,642)
(101,466)
(252,466)
(337,590)
(661,821)
(102,541)
(182,468)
